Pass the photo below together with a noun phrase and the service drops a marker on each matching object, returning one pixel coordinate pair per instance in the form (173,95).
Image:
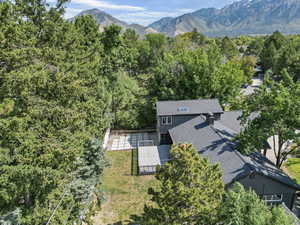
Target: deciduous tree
(241,207)
(190,190)
(278,104)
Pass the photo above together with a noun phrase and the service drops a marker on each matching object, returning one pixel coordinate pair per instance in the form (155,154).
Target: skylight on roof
(183,109)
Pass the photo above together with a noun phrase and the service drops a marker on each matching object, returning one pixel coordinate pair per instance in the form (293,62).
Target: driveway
(271,152)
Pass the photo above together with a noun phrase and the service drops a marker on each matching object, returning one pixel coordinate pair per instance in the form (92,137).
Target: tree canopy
(190,190)
(63,83)
(241,207)
(279,112)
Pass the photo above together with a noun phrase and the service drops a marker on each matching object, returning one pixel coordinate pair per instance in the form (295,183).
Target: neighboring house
(204,124)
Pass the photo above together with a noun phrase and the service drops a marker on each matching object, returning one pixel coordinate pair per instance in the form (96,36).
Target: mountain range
(245,17)
(104,19)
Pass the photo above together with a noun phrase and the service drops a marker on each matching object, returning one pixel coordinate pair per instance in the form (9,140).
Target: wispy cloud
(147,17)
(185,10)
(107,5)
(71,12)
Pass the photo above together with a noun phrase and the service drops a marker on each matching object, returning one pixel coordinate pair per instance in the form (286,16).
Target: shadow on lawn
(134,220)
(134,163)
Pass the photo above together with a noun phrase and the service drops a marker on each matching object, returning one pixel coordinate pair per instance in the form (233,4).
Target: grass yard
(293,168)
(125,193)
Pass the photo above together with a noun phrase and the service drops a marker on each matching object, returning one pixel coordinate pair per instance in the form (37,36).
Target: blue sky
(142,11)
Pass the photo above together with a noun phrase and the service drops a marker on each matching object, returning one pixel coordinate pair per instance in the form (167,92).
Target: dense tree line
(62,83)
(54,103)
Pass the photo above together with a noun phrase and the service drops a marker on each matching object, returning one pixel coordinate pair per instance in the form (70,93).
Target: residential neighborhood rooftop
(188,107)
(214,142)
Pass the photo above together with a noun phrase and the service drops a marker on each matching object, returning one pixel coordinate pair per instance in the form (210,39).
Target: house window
(273,199)
(183,109)
(166,120)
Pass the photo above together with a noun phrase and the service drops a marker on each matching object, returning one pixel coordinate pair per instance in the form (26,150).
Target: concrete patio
(120,141)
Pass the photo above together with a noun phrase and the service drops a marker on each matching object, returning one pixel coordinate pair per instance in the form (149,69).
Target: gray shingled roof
(232,121)
(263,166)
(168,108)
(215,143)
(210,144)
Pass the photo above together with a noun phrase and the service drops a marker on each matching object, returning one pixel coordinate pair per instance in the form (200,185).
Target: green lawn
(125,193)
(293,168)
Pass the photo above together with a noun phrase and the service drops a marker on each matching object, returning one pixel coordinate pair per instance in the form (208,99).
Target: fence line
(106,138)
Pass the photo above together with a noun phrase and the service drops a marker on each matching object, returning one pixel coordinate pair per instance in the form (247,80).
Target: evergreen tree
(255,47)
(228,48)
(52,101)
(270,51)
(190,190)
(289,58)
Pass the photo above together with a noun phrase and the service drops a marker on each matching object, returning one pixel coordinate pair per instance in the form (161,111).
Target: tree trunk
(265,152)
(279,160)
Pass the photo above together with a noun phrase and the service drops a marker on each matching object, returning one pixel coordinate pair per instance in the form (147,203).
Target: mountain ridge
(104,19)
(245,17)
(238,18)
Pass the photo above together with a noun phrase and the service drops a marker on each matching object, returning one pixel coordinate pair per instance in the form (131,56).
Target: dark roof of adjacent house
(188,107)
(232,120)
(214,142)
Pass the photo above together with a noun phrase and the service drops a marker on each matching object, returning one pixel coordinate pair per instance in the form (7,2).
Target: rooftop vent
(210,118)
(183,109)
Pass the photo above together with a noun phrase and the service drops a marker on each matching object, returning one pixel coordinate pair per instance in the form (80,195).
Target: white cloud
(71,12)
(148,17)
(106,5)
(185,10)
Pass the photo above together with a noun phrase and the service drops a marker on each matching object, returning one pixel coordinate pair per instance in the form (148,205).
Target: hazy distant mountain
(104,19)
(241,17)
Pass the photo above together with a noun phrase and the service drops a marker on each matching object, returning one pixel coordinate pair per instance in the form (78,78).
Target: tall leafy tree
(255,47)
(200,73)
(278,104)
(157,43)
(194,37)
(125,100)
(248,64)
(229,48)
(270,51)
(289,58)
(190,190)
(117,54)
(227,81)
(52,101)
(241,207)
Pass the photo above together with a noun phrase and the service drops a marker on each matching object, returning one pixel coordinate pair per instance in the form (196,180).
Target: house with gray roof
(204,124)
